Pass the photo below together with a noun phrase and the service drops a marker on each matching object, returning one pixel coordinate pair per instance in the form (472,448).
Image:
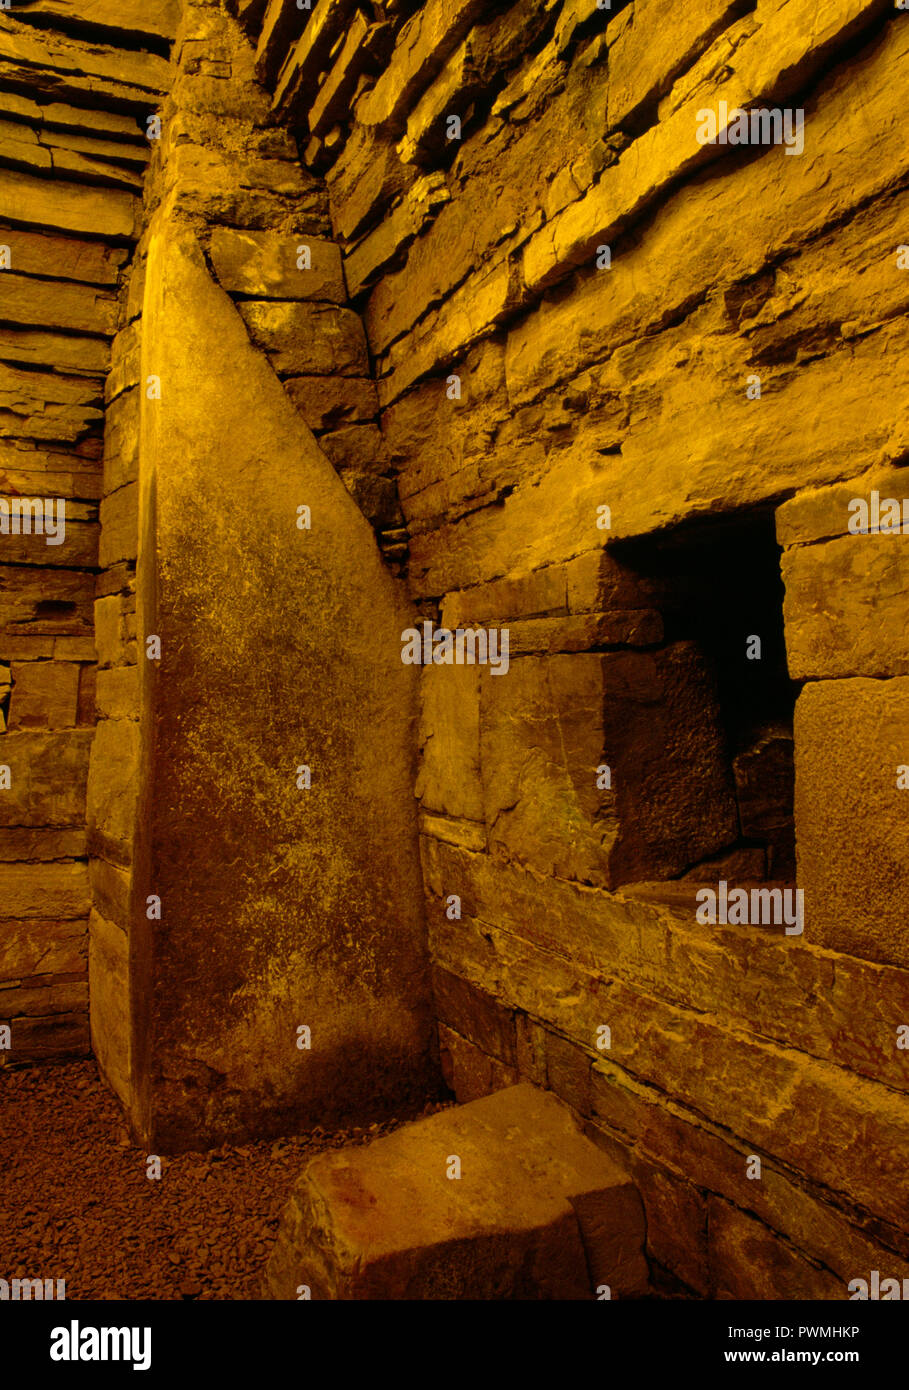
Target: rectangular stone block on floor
(535,1211)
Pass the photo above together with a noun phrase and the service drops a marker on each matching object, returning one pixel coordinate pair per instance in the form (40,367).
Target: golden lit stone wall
(577,366)
(614,359)
(76,94)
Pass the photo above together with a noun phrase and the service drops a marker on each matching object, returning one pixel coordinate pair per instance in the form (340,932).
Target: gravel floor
(75,1201)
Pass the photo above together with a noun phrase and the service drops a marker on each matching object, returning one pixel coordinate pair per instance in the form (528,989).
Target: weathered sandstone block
(366,177)
(50,1037)
(383,245)
(377,498)
(736,1070)
(449,777)
(422,47)
(63,257)
(327,402)
(312,339)
(46,601)
(78,548)
(121,441)
(44,890)
(553,724)
(34,347)
(469,1071)
(475,1014)
(249,192)
(645,57)
(44,996)
(40,843)
(851,740)
(113,644)
(53,947)
(356,446)
(847,595)
(124,362)
(152,18)
(308,55)
(264,265)
(748,1260)
(836,1008)
(763,66)
(48,775)
(117,693)
(58,64)
(111,888)
(45,695)
(33,395)
(537,1212)
(68,207)
(119,516)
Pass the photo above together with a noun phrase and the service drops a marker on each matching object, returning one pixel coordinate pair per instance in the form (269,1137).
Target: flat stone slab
(538,1212)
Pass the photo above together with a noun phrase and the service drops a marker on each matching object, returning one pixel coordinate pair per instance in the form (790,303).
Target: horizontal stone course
(834,1007)
(68,207)
(738,1077)
(48,1037)
(44,891)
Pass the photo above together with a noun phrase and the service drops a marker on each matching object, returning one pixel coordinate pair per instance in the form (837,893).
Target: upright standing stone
(283,908)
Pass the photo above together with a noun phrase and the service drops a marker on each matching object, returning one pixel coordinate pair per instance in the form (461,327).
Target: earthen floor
(76,1203)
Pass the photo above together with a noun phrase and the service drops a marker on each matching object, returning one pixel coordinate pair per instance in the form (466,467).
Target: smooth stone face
(45,890)
(48,773)
(113,789)
(45,695)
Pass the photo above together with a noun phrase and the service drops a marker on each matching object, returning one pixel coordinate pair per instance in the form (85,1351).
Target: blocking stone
(538,1212)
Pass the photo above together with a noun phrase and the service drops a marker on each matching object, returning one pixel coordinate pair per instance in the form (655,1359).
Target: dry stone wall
(574,304)
(77,86)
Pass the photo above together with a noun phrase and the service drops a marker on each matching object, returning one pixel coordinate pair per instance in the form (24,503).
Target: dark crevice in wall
(720,588)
